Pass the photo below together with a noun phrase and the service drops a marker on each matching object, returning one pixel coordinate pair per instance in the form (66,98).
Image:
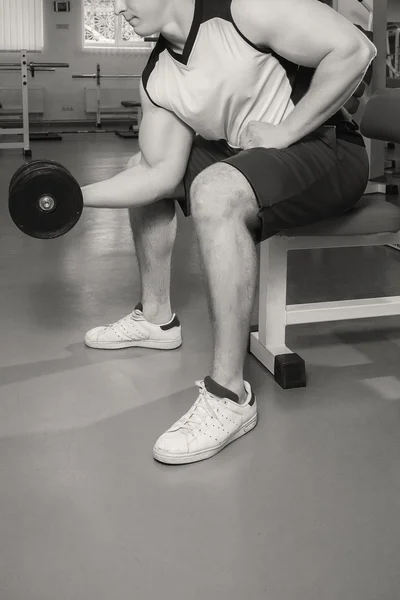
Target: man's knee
(219,190)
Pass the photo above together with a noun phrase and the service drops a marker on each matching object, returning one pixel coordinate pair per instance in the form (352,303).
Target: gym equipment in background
(133,131)
(25,67)
(98,78)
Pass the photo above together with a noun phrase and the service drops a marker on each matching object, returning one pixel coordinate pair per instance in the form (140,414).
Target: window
(21,25)
(102,29)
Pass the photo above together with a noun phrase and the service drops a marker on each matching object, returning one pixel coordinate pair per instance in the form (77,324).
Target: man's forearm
(137,186)
(335,80)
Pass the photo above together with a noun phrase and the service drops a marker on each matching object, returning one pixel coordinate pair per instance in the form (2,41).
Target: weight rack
(98,77)
(24,67)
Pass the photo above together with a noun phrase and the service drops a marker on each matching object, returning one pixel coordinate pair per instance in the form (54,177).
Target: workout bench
(133,130)
(373,222)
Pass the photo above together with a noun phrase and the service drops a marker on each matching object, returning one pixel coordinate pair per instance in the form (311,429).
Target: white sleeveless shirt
(222,81)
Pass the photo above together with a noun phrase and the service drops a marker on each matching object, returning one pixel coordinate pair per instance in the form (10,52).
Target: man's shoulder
(258,18)
(250,18)
(251,8)
(247,14)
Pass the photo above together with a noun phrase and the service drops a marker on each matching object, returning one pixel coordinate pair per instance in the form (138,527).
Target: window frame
(118,45)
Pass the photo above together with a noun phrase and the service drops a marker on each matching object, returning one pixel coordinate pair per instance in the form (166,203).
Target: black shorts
(319,177)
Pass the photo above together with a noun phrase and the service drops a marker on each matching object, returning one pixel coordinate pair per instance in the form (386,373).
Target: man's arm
(165,143)
(310,34)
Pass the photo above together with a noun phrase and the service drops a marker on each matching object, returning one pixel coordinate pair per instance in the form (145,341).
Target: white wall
(66,46)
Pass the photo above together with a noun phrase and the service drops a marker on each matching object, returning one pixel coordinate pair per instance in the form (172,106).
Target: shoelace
(201,408)
(135,315)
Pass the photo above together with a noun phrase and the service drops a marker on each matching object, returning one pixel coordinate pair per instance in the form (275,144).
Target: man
(262,83)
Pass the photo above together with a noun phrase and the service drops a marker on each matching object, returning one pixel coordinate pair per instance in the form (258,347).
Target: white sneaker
(134,331)
(212,423)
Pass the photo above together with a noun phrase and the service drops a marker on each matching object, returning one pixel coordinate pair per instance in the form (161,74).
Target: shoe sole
(183,459)
(158,345)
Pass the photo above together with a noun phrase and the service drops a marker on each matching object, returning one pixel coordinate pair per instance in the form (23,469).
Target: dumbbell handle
(47,203)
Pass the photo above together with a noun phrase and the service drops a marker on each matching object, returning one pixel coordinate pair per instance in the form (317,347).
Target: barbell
(45,200)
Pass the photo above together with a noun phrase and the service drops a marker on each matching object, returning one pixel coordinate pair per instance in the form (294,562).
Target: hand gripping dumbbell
(45,200)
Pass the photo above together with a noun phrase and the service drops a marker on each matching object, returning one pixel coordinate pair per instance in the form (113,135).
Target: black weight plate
(29,165)
(48,180)
(22,169)
(19,172)
(37,165)
(40,181)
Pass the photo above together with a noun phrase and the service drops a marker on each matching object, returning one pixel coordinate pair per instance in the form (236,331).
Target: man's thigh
(317,178)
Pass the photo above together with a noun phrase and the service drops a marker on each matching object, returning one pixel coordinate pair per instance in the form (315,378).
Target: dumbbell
(45,200)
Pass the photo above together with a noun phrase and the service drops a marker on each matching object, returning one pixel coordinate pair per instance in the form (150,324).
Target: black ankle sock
(218,390)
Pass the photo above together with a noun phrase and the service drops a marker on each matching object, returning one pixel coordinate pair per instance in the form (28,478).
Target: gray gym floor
(306,507)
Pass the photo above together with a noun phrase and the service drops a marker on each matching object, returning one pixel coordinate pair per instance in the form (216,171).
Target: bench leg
(268,343)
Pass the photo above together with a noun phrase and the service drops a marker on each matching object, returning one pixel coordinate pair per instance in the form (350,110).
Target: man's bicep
(164,139)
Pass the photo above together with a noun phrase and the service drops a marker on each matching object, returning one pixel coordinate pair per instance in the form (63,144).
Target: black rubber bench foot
(392,190)
(290,371)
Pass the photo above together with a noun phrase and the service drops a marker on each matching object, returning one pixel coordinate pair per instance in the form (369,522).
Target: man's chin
(138,27)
